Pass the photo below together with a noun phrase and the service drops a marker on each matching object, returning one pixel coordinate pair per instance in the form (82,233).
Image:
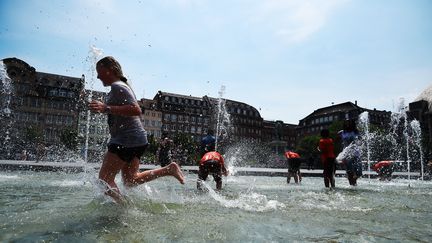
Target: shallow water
(43,206)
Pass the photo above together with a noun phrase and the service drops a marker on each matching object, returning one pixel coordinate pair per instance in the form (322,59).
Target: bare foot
(175,171)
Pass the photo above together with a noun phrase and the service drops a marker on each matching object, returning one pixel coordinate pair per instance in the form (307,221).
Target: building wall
(183,114)
(421,111)
(324,117)
(151,117)
(42,102)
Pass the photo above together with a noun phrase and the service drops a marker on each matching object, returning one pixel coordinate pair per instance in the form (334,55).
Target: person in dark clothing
(350,137)
(311,162)
(208,142)
(164,153)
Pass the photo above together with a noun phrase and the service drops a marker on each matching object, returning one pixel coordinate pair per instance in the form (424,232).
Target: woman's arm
(123,110)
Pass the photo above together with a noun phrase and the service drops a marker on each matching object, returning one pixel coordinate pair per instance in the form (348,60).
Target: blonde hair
(112,64)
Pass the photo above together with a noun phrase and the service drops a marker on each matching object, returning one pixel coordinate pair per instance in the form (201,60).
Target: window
(63,93)
(52,92)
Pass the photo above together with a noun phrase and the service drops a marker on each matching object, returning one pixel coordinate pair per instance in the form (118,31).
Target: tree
(334,129)
(34,135)
(308,146)
(186,149)
(69,138)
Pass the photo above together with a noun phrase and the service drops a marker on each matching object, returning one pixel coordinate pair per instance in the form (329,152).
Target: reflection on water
(61,207)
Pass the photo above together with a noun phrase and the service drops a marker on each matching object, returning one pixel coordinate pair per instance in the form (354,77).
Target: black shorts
(210,167)
(329,167)
(127,154)
(294,165)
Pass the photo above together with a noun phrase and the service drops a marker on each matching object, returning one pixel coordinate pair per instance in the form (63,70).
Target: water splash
(416,129)
(6,92)
(364,127)
(400,142)
(94,55)
(249,201)
(223,122)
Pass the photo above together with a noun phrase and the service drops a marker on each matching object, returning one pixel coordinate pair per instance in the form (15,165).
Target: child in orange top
(294,162)
(212,162)
(326,147)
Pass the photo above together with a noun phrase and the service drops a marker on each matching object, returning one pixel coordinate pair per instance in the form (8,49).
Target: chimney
(355,102)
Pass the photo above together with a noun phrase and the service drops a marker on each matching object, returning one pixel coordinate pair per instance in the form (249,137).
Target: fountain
(55,206)
(401,143)
(364,127)
(223,122)
(417,136)
(94,55)
(6,90)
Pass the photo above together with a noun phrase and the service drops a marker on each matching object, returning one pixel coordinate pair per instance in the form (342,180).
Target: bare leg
(111,166)
(326,181)
(132,176)
(296,177)
(219,185)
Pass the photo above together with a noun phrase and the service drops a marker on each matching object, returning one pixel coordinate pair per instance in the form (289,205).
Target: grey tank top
(127,131)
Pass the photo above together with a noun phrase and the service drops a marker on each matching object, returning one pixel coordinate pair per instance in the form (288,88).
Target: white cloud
(297,20)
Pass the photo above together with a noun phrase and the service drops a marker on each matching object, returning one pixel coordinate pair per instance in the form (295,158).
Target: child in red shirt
(326,147)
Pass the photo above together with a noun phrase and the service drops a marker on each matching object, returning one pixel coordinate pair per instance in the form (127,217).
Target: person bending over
(211,163)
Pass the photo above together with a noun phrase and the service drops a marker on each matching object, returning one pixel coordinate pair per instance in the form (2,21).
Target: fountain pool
(53,206)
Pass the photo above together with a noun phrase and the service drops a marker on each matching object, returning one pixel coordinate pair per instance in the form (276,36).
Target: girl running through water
(128,138)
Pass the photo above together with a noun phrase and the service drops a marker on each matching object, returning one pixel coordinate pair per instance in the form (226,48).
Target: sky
(285,58)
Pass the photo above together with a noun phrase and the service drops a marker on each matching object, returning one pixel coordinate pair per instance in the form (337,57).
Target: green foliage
(334,128)
(34,134)
(187,148)
(153,145)
(307,146)
(69,138)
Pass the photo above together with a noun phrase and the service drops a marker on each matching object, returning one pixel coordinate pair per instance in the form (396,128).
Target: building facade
(40,106)
(241,121)
(281,136)
(183,114)
(421,110)
(324,117)
(151,117)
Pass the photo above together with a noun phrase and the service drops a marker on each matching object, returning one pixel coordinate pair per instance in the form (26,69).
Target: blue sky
(286,58)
